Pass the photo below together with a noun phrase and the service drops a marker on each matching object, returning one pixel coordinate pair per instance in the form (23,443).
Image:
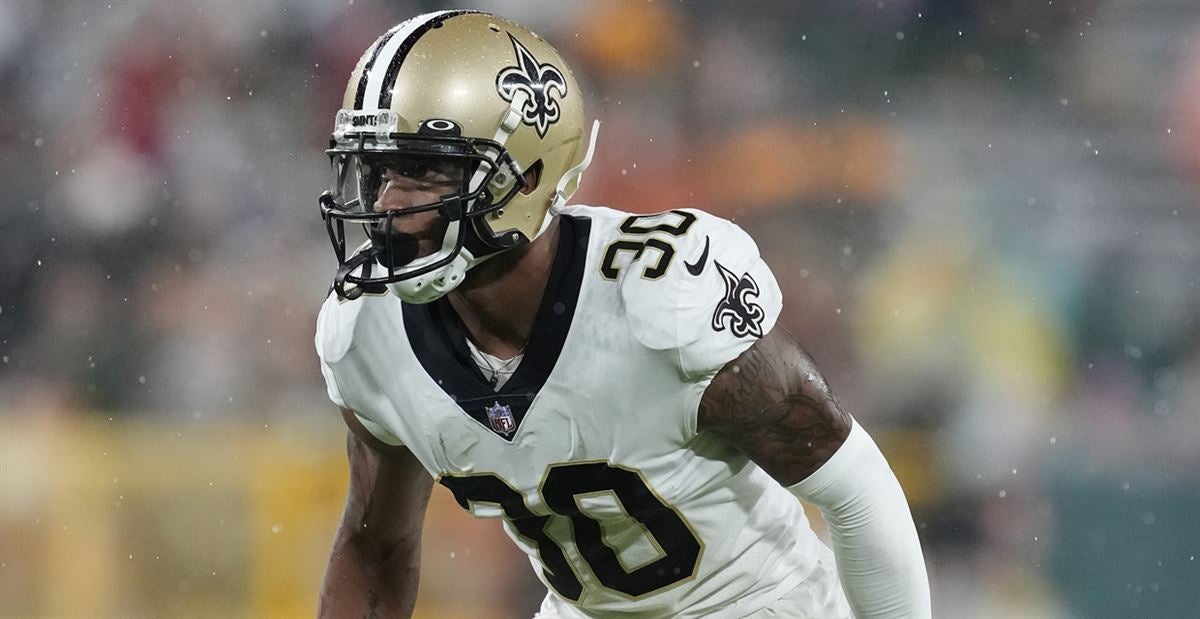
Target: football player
(610,385)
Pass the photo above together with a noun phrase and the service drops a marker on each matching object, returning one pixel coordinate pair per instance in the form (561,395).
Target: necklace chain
(495,370)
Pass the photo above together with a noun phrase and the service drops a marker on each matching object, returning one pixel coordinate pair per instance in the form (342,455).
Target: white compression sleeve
(874,539)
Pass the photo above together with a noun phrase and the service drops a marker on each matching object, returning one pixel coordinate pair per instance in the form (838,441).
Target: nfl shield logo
(501,418)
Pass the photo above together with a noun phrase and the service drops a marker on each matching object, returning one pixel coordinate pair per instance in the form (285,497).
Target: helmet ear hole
(533,177)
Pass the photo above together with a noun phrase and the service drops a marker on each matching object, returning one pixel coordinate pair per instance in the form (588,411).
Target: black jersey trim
(439,340)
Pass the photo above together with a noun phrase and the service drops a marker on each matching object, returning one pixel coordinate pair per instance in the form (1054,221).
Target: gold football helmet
(473,96)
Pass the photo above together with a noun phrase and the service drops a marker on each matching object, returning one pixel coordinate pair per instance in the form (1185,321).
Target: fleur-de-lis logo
(736,311)
(540,81)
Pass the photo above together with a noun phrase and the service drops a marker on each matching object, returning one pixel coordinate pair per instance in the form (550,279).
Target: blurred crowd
(984,216)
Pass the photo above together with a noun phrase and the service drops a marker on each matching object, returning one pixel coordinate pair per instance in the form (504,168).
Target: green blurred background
(985,217)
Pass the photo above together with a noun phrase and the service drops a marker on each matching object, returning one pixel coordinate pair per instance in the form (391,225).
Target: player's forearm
(370,578)
(878,554)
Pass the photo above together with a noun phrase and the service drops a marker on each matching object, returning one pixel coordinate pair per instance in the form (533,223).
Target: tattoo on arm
(773,404)
(364,478)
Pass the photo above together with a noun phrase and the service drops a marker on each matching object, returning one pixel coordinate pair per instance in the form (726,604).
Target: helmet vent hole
(533,177)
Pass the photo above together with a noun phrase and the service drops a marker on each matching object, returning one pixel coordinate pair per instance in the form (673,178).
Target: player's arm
(375,563)
(773,405)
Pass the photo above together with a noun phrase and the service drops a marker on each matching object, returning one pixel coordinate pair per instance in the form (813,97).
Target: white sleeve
(331,386)
(716,300)
(334,334)
(732,304)
(874,539)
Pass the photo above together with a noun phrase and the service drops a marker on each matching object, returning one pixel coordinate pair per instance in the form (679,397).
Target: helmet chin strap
(574,174)
(432,286)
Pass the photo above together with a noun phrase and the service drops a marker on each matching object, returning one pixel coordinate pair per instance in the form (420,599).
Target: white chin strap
(433,285)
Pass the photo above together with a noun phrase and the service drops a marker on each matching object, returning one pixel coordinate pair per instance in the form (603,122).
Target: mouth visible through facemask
(404,247)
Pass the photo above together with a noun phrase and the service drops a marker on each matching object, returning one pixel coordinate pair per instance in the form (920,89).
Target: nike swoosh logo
(697,267)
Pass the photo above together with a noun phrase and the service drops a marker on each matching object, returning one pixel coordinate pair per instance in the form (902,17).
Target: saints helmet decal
(736,311)
(540,81)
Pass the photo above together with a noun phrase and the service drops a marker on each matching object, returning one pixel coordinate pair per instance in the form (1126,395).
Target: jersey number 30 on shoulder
(639,230)
(678,547)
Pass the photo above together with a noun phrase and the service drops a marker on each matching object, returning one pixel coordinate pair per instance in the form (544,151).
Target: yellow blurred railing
(164,517)
(171,517)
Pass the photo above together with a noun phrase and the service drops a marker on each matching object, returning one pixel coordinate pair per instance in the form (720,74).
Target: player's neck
(499,300)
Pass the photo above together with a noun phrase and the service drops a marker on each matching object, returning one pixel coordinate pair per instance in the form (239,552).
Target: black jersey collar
(439,341)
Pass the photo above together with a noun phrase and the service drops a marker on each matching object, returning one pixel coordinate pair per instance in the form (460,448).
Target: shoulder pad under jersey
(695,283)
(334,337)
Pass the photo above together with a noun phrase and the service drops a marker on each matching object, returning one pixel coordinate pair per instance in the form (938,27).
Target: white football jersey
(590,451)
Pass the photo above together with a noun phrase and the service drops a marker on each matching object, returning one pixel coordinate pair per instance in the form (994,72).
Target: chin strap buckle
(512,118)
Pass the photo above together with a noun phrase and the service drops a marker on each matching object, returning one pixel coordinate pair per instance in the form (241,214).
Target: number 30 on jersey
(678,547)
(638,235)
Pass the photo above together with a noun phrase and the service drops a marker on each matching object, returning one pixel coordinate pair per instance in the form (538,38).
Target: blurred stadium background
(984,216)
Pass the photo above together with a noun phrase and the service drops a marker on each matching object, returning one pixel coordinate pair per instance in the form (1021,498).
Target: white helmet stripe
(384,60)
(381,79)
(361,91)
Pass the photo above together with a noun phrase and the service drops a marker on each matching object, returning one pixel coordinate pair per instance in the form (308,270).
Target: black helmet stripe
(361,92)
(413,33)
(367,93)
